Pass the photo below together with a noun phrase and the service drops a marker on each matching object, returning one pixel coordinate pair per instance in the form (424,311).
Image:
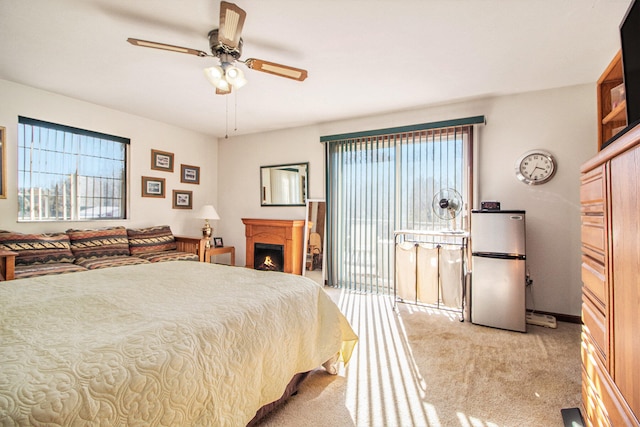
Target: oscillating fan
(447,204)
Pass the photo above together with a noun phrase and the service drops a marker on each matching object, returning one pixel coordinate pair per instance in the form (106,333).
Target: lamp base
(207,231)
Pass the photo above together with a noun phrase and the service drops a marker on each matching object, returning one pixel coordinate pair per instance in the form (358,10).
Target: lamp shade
(208,212)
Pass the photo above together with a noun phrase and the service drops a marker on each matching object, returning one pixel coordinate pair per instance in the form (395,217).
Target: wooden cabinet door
(625,260)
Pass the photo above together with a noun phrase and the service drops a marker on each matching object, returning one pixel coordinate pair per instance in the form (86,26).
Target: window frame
(70,174)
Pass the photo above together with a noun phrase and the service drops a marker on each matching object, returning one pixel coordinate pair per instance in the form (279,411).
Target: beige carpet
(423,367)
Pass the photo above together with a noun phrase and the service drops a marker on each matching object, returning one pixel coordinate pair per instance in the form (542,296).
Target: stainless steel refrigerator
(498,279)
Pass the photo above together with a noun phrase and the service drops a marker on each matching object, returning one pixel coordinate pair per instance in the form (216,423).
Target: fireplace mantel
(286,232)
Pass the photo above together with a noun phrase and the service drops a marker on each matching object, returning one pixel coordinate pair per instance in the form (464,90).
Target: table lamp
(207,212)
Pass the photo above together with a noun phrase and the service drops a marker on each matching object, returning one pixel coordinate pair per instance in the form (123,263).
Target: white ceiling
(364,57)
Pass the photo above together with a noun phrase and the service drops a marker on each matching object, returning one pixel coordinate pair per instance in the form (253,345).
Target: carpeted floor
(423,367)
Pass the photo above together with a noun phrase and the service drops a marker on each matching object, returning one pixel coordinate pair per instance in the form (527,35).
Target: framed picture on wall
(190,174)
(153,187)
(3,164)
(182,199)
(161,161)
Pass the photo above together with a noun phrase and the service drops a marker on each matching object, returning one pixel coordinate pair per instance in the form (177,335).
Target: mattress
(175,343)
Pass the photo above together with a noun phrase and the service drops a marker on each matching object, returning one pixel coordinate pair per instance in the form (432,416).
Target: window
(387,180)
(69,174)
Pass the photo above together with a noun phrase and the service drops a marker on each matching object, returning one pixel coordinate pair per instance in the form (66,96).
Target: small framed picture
(161,161)
(152,187)
(190,174)
(217,242)
(182,199)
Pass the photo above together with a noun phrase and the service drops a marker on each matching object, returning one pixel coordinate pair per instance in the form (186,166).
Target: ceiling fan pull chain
(226,118)
(235,111)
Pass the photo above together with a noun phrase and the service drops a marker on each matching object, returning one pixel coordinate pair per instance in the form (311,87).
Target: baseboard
(561,317)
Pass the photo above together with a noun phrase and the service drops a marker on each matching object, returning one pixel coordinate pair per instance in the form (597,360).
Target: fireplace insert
(268,257)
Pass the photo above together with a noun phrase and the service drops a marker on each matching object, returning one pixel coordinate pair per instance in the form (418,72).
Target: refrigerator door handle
(496,255)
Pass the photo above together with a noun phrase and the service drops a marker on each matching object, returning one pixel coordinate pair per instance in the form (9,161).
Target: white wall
(239,178)
(189,147)
(562,121)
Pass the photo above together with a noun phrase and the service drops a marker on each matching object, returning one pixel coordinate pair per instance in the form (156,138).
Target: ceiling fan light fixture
(214,74)
(235,77)
(225,77)
(223,85)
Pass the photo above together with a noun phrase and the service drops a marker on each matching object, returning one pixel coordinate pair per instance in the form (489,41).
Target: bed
(175,343)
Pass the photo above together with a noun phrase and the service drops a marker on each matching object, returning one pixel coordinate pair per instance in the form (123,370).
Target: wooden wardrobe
(610,213)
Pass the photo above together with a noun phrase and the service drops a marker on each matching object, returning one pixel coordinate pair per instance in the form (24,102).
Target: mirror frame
(305,187)
(3,164)
(307,230)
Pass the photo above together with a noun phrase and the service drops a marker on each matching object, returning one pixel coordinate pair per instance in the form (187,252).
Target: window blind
(386,180)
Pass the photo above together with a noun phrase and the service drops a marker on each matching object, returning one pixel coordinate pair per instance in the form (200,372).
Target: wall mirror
(314,241)
(284,185)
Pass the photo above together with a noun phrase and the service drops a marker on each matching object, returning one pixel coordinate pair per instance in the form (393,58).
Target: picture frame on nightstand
(217,242)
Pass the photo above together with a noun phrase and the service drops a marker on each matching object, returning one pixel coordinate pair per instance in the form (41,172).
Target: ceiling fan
(226,45)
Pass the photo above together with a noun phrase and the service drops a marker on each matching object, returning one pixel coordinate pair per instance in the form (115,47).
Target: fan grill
(447,204)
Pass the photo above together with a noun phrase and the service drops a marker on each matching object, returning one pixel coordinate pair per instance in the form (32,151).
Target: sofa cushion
(151,239)
(97,243)
(109,261)
(162,256)
(38,248)
(34,270)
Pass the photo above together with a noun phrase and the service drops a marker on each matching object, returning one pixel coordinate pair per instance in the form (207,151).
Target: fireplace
(288,234)
(268,257)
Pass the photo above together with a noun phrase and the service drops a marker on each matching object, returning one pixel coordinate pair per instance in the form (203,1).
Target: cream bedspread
(175,343)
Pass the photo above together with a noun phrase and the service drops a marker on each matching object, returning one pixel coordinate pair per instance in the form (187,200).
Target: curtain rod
(403,129)
(64,128)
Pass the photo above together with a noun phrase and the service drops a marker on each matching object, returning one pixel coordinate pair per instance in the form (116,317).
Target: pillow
(151,239)
(99,243)
(38,248)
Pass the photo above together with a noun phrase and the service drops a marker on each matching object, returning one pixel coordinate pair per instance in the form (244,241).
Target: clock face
(535,167)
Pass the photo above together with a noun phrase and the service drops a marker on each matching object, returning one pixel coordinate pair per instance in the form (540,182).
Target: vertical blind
(386,180)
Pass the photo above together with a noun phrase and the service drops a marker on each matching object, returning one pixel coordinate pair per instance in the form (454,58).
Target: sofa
(29,255)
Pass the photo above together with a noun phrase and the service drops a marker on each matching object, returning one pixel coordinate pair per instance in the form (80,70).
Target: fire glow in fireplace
(268,257)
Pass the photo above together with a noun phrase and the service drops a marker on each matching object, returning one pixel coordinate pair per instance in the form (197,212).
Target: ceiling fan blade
(231,23)
(276,69)
(169,47)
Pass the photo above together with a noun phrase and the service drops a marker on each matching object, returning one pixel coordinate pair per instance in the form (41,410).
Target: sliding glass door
(377,184)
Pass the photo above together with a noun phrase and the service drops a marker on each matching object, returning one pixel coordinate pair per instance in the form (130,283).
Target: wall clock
(536,167)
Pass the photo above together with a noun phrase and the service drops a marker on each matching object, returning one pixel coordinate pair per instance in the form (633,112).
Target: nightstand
(8,264)
(209,252)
